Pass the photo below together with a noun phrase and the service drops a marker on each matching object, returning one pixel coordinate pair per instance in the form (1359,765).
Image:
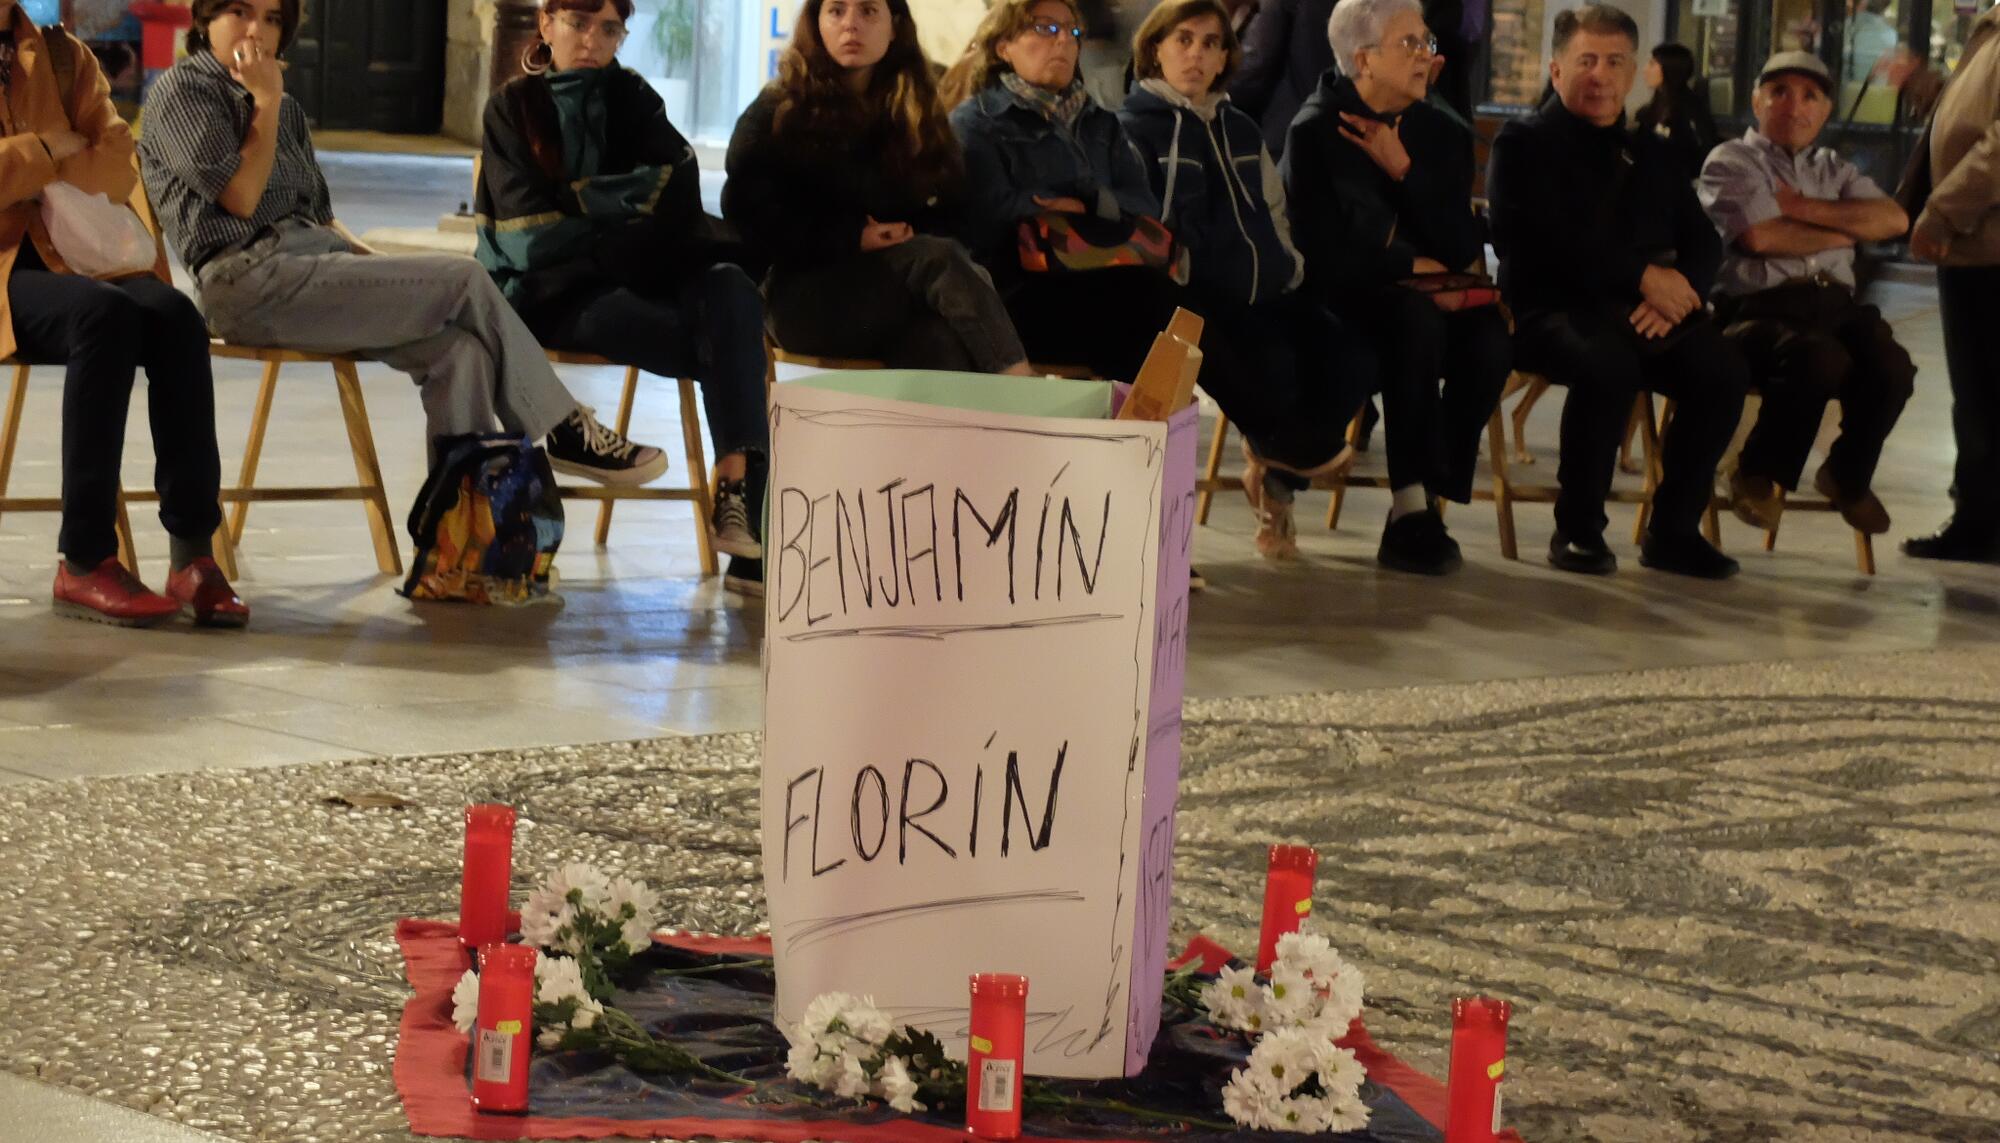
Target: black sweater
(1580,211)
(804,200)
(1359,229)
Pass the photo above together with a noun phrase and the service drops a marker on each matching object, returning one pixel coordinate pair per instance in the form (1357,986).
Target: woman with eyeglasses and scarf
(846,175)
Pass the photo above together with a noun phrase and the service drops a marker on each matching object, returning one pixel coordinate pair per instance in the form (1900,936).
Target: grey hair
(1358,24)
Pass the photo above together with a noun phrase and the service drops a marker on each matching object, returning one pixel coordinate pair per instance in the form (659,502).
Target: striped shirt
(197,117)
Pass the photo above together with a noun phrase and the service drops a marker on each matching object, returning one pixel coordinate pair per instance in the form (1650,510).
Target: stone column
(484,41)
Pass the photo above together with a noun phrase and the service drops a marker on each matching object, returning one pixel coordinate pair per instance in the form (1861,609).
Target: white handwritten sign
(961,628)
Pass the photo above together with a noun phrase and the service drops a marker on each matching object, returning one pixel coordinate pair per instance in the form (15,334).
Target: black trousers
(709,326)
(1288,373)
(1605,363)
(1105,319)
(1808,344)
(105,332)
(1969,297)
(924,304)
(1432,433)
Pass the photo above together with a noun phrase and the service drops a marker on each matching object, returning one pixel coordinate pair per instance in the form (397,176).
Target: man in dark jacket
(1606,256)
(1285,51)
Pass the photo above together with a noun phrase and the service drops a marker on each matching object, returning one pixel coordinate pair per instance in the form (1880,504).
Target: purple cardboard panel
(1163,739)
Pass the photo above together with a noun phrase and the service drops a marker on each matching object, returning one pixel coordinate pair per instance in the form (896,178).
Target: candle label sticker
(982,1044)
(496,1056)
(996,1085)
(1304,908)
(1496,1069)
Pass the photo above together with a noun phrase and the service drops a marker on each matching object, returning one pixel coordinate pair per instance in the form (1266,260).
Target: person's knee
(1817,366)
(172,315)
(107,322)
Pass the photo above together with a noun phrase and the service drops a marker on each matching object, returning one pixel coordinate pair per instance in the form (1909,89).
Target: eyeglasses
(610,31)
(1414,45)
(1050,30)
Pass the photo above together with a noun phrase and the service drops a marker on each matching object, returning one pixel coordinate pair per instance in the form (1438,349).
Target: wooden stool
(10,436)
(360,442)
(697,490)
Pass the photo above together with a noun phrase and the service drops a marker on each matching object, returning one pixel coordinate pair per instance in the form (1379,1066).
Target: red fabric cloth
(430,1063)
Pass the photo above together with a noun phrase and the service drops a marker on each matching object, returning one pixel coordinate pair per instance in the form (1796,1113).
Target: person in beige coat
(1959,229)
(57,125)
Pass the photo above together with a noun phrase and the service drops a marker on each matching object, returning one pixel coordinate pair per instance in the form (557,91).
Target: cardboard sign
(963,771)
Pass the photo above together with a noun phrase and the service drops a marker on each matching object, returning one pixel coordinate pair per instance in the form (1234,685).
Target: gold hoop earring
(534,64)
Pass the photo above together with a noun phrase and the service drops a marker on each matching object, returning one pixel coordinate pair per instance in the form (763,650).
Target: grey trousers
(437,317)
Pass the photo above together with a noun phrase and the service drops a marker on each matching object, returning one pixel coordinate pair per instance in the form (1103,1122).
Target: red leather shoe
(110,594)
(201,588)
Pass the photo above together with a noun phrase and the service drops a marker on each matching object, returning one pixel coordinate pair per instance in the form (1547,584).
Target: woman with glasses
(1036,144)
(847,177)
(1380,184)
(229,162)
(1223,198)
(590,219)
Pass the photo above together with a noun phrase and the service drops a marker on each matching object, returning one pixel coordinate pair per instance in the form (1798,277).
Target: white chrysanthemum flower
(1290,999)
(1339,1069)
(636,931)
(590,884)
(544,916)
(825,1008)
(559,979)
(1234,1000)
(636,934)
(465,1001)
(1249,1102)
(852,1082)
(802,1063)
(897,1087)
(548,1038)
(867,1023)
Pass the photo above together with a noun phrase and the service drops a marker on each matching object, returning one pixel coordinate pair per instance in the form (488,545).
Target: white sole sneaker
(622,477)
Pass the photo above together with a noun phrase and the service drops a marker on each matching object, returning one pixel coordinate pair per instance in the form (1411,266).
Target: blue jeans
(709,327)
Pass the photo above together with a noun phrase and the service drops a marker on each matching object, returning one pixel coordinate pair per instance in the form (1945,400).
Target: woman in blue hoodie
(1224,200)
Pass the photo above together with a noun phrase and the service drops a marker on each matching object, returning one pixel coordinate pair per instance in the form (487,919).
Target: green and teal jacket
(585,186)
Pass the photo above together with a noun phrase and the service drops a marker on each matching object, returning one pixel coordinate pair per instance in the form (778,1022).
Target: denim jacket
(1013,154)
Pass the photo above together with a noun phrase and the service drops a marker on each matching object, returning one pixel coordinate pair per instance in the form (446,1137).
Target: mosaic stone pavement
(1743,903)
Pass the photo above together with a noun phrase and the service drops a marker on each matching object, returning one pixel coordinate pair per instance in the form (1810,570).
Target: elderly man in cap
(1791,215)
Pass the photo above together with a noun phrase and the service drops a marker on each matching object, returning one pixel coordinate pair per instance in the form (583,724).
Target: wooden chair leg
(10,429)
(128,552)
(1649,440)
(1711,525)
(253,450)
(1771,534)
(225,551)
(1503,489)
(367,467)
(1864,552)
(1212,471)
(697,462)
(624,426)
(1339,500)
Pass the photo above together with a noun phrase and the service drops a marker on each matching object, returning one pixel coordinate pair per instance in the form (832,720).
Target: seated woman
(846,175)
(230,166)
(104,331)
(1036,143)
(1380,184)
(590,220)
(1226,204)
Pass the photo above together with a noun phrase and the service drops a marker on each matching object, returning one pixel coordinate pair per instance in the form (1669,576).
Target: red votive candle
(1478,1063)
(489,872)
(505,1032)
(995,1056)
(1288,897)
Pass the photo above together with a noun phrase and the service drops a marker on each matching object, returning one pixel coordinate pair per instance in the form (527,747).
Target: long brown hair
(812,92)
(1172,14)
(981,64)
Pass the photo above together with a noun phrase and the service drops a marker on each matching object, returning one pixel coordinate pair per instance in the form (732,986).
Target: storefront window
(1951,23)
(696,54)
(1518,69)
(1712,36)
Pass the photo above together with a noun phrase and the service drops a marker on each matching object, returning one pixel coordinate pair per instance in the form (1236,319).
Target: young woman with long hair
(845,174)
(1678,111)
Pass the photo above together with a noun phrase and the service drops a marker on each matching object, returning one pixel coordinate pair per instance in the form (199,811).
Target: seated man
(1606,256)
(1792,214)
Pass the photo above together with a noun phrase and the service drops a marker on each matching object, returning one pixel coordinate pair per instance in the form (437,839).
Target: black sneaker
(1416,542)
(730,522)
(582,447)
(1688,555)
(745,577)
(1584,555)
(1956,541)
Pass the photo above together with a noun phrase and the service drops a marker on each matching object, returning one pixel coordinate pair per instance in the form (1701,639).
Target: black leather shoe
(1585,555)
(1416,542)
(1689,555)
(1956,541)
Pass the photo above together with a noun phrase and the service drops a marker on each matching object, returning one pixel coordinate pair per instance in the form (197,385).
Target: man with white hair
(1606,256)
(1792,214)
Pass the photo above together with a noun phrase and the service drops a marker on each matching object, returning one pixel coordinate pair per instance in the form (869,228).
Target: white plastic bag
(96,237)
